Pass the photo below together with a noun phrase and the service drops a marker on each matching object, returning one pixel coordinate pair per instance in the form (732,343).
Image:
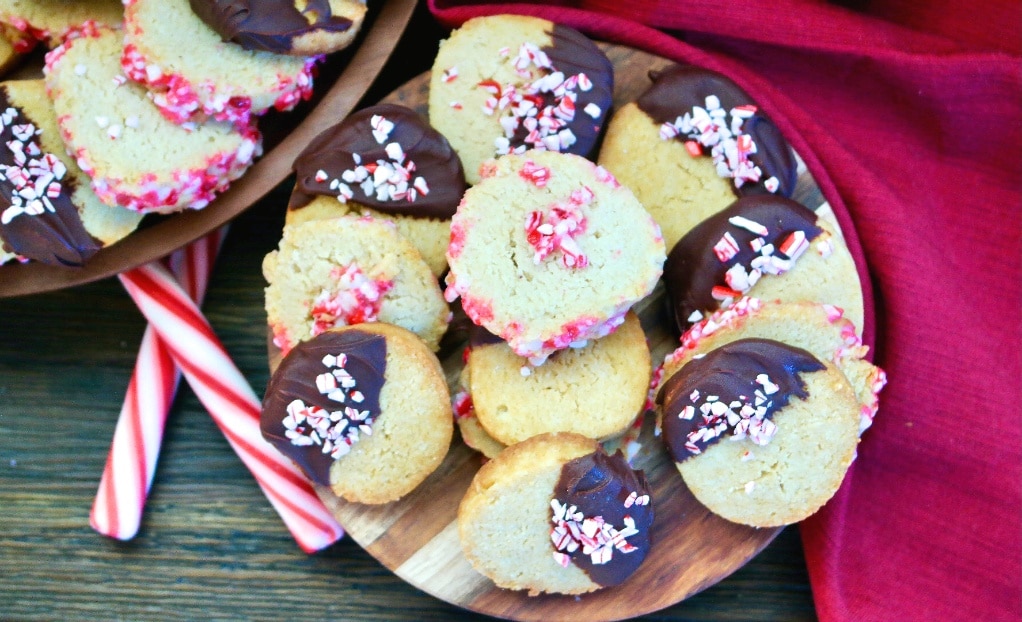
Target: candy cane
(131,464)
(231,402)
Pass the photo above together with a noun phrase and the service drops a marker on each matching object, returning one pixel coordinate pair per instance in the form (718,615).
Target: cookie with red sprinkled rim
(510,83)
(385,161)
(820,329)
(348,270)
(48,212)
(555,514)
(596,391)
(362,409)
(113,131)
(765,246)
(761,432)
(472,432)
(50,21)
(284,26)
(691,144)
(549,251)
(207,78)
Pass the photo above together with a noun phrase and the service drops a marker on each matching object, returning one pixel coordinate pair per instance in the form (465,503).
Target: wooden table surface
(210,545)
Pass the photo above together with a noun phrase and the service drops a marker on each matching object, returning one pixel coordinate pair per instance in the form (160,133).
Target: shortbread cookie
(526,519)
(762,432)
(48,213)
(136,158)
(50,21)
(472,432)
(348,270)
(690,144)
(298,28)
(745,248)
(820,329)
(596,391)
(510,83)
(549,251)
(385,161)
(362,409)
(205,77)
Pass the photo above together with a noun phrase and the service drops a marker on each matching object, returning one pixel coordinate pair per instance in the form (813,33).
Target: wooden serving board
(349,74)
(417,537)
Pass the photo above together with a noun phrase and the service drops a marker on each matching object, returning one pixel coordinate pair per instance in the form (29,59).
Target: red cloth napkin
(908,115)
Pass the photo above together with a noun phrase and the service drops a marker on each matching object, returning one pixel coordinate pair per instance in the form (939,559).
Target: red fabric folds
(908,114)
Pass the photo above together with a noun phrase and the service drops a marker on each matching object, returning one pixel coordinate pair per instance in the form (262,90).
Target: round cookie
(521,518)
(281,27)
(362,409)
(387,162)
(692,143)
(549,251)
(820,329)
(349,270)
(68,223)
(511,83)
(761,432)
(596,391)
(114,132)
(742,249)
(207,78)
(50,21)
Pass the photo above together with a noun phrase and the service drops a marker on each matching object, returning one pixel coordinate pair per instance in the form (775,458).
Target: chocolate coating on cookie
(342,153)
(695,265)
(678,89)
(731,392)
(599,485)
(325,389)
(37,218)
(268,25)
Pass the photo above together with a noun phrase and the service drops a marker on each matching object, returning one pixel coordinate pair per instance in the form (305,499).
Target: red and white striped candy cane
(131,463)
(227,396)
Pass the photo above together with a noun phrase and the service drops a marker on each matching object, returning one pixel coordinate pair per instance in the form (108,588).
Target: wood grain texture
(285,134)
(210,546)
(417,537)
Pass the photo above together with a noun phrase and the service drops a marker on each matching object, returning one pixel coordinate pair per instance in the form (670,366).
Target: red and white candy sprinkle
(559,227)
(745,416)
(597,539)
(355,299)
(35,175)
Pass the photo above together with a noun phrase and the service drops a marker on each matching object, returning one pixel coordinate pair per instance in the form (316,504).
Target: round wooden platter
(348,75)
(417,537)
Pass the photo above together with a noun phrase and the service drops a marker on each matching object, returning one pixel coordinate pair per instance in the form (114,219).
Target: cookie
(50,21)
(387,162)
(48,213)
(207,78)
(525,520)
(136,158)
(362,409)
(510,83)
(761,432)
(764,246)
(819,329)
(284,26)
(349,270)
(596,391)
(549,251)
(693,143)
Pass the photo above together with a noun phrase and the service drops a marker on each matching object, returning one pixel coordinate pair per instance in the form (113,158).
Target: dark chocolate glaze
(295,378)
(678,88)
(53,237)
(267,25)
(598,485)
(692,269)
(332,152)
(730,372)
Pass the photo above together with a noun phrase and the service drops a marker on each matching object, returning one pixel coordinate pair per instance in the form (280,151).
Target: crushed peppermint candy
(34,174)
(745,416)
(558,229)
(355,300)
(573,531)
(335,431)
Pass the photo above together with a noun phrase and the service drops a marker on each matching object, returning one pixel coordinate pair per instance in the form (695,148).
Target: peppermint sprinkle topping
(745,416)
(357,299)
(597,539)
(558,228)
(35,175)
(450,74)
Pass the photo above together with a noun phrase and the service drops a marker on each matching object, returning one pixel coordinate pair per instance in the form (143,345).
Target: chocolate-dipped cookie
(691,144)
(556,514)
(362,410)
